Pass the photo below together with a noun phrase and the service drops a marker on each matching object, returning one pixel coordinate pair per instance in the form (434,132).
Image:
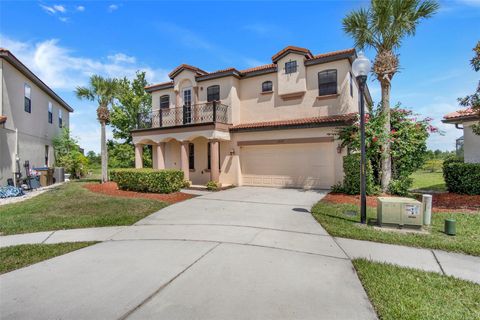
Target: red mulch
(441,202)
(111,189)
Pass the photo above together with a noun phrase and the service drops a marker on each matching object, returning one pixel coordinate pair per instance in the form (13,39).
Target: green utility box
(399,212)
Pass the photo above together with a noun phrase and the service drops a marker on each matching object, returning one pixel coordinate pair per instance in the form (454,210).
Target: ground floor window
(191,156)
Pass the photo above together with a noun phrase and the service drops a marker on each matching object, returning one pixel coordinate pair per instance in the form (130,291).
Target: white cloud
(473,3)
(60,68)
(63,19)
(80,8)
(121,57)
(59,8)
(112,7)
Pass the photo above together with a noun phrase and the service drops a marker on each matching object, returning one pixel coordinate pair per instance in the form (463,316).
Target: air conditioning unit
(399,212)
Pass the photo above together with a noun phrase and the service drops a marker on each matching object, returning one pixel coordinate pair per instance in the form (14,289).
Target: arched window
(213,93)
(327,82)
(165,102)
(267,86)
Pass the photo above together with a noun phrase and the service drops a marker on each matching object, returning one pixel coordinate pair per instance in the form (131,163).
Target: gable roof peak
(184,66)
(291,49)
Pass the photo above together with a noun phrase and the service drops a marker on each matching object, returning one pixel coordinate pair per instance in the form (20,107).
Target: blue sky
(64,42)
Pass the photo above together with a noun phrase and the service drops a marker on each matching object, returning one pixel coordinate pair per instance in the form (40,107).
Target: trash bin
(46,176)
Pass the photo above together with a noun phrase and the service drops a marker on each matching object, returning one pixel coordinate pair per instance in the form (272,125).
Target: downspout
(457,125)
(14,159)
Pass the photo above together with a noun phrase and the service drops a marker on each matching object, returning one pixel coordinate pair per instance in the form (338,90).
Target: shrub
(433,165)
(213,185)
(351,181)
(462,177)
(400,186)
(148,180)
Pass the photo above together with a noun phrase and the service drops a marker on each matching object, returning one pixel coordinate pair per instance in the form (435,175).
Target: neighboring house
(270,125)
(464,119)
(31,114)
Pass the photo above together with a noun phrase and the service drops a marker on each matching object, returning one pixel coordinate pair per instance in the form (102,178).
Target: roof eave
(8,56)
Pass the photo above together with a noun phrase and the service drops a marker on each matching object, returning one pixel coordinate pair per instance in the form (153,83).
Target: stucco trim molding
(284,141)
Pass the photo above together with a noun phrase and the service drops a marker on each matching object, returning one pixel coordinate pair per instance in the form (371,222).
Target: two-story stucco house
(270,125)
(464,119)
(31,114)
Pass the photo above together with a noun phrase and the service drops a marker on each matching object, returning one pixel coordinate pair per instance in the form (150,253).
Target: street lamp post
(361,67)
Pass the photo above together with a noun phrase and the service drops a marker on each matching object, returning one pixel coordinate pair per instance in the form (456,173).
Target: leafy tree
(473,100)
(131,100)
(408,140)
(68,155)
(122,155)
(103,91)
(383,27)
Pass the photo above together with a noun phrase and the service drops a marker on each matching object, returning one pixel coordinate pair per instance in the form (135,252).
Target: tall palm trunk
(104,154)
(386,156)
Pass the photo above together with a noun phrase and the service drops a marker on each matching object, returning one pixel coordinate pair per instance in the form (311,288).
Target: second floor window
(267,86)
(50,112)
(191,156)
(327,82)
(28,98)
(291,67)
(165,102)
(213,93)
(60,119)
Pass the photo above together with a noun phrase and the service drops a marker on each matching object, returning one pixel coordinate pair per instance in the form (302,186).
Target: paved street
(244,253)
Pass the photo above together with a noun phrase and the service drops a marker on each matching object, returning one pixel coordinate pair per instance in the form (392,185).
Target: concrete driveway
(244,253)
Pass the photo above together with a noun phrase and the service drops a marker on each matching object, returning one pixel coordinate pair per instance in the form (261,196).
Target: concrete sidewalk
(458,265)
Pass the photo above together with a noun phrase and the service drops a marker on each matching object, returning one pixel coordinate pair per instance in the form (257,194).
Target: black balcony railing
(188,114)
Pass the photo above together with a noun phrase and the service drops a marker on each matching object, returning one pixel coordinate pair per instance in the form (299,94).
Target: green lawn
(16,257)
(333,218)
(71,206)
(425,180)
(402,293)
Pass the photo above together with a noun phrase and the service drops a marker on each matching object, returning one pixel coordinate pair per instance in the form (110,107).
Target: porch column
(139,156)
(160,152)
(184,159)
(214,159)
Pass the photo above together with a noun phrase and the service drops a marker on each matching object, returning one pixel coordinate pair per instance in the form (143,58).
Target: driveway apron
(243,253)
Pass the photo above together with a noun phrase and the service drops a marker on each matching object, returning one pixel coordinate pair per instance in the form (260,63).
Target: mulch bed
(111,189)
(441,202)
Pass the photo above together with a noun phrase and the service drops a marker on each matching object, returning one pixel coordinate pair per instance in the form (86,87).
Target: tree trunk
(104,153)
(386,157)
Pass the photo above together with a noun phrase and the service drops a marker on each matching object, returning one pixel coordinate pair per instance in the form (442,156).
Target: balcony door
(187,105)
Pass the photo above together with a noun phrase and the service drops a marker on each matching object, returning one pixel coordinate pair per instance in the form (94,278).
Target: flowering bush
(408,140)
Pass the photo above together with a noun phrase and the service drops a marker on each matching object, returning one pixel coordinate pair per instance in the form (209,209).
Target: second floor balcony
(204,113)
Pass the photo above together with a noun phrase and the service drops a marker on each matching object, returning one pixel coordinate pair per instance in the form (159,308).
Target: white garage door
(306,165)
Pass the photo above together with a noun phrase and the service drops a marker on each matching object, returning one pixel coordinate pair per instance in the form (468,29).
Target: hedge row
(351,181)
(462,177)
(148,180)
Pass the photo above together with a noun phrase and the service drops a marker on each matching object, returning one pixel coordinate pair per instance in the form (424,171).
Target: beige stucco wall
(471,147)
(257,107)
(34,131)
(292,82)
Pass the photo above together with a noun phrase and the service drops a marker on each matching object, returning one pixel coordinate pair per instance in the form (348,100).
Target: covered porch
(199,153)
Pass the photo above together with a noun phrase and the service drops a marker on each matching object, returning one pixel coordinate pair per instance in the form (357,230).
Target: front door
(187,105)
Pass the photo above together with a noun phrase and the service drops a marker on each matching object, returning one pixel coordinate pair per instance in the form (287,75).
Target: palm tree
(383,27)
(103,91)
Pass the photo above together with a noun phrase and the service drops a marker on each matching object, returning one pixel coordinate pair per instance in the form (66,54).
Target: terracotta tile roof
(277,55)
(2,118)
(159,84)
(186,66)
(349,117)
(200,73)
(334,53)
(264,67)
(462,114)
